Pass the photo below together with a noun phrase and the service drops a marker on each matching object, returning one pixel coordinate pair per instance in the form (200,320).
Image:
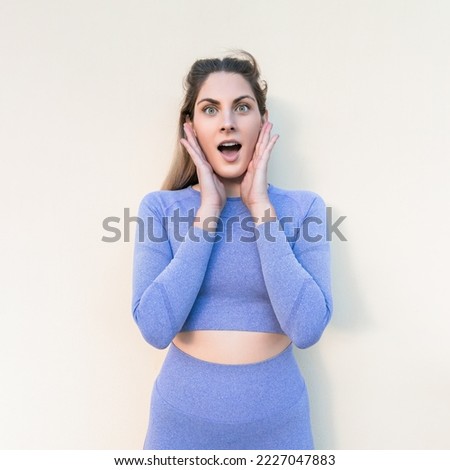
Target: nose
(228,123)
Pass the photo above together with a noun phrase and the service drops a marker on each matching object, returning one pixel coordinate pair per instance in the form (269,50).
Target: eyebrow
(213,101)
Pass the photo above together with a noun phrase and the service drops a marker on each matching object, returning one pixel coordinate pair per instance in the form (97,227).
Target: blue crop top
(270,277)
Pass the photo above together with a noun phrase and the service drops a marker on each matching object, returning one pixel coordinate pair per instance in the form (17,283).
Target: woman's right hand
(213,194)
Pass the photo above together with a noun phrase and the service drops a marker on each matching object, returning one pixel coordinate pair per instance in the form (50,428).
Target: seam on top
(167,304)
(323,246)
(159,199)
(294,309)
(297,203)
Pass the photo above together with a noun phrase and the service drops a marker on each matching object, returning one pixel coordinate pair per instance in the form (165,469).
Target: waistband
(230,392)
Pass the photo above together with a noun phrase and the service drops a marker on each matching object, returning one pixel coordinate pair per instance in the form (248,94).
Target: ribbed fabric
(197,404)
(272,277)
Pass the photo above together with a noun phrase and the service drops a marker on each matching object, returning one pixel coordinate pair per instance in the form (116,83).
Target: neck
(232,189)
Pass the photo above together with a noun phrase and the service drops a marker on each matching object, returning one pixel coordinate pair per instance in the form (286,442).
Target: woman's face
(226,112)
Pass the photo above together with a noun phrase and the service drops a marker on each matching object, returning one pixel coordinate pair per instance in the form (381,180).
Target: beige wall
(89,95)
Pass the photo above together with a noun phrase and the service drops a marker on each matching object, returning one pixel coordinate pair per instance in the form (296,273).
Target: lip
(234,141)
(230,159)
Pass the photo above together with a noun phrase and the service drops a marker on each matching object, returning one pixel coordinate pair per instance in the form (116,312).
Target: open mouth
(229,149)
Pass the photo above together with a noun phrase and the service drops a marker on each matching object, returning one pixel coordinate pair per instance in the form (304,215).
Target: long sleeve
(298,279)
(165,286)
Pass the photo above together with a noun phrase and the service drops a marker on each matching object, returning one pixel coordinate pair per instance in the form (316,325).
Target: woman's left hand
(254,184)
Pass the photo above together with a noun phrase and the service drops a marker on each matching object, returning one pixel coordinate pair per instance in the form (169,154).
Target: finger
(262,162)
(190,150)
(264,141)
(261,133)
(196,156)
(264,130)
(190,136)
(270,145)
(266,136)
(259,143)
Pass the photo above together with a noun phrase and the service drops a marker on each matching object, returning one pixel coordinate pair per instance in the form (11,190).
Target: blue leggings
(197,404)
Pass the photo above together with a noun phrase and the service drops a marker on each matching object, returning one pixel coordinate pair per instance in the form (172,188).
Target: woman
(229,272)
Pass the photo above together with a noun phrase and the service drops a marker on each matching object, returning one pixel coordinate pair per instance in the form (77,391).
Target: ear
(189,121)
(264,117)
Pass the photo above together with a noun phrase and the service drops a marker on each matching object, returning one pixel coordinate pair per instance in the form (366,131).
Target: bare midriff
(231,347)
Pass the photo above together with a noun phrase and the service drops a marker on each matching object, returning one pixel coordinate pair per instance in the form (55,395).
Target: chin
(232,171)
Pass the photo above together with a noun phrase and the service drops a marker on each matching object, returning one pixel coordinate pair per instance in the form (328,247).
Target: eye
(210,110)
(243,107)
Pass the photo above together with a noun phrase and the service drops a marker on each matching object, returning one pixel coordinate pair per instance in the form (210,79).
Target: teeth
(229,144)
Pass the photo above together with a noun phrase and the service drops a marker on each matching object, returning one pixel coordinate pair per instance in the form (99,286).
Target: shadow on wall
(347,318)
(288,166)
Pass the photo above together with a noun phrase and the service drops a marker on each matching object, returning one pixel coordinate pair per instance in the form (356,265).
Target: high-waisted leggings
(197,404)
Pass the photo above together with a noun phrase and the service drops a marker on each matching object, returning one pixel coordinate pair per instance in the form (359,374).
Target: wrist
(207,218)
(208,211)
(263,213)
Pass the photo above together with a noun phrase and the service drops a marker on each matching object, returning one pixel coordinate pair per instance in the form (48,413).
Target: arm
(298,278)
(165,286)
